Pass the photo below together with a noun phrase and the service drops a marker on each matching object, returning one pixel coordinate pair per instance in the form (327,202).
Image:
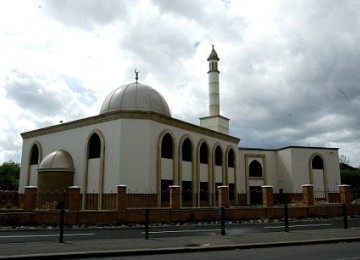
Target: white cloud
(289,69)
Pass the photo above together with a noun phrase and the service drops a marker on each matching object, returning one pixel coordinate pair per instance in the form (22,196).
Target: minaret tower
(214,102)
(214,121)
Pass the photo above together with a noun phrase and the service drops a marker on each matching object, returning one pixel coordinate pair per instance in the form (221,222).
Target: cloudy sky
(290,70)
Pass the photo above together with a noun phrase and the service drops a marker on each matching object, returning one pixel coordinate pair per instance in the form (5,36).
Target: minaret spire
(214,120)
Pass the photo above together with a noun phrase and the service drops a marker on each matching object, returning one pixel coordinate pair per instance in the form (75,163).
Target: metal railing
(52,200)
(9,199)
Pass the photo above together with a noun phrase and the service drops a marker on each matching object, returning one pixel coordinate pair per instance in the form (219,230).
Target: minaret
(214,121)
(213,73)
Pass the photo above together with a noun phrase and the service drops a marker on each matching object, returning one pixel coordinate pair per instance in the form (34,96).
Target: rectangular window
(204,191)
(165,190)
(187,191)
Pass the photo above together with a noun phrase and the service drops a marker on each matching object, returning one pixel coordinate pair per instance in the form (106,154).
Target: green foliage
(351,176)
(9,176)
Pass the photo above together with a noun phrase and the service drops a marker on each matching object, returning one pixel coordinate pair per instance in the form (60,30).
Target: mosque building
(134,141)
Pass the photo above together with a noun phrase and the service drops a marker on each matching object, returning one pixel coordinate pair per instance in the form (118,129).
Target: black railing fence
(9,199)
(52,200)
(135,199)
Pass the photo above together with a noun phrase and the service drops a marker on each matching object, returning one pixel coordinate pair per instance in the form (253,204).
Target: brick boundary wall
(129,216)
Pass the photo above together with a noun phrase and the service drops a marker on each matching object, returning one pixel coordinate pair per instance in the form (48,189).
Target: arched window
(167,147)
(317,163)
(34,155)
(255,169)
(94,147)
(231,159)
(204,153)
(187,150)
(218,156)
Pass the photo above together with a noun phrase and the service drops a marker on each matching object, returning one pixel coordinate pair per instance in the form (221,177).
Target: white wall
(186,171)
(284,171)
(288,168)
(131,150)
(204,173)
(93,176)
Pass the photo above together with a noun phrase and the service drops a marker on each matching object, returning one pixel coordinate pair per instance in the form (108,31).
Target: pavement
(141,246)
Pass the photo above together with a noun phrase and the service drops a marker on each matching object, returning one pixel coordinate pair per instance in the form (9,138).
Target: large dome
(135,96)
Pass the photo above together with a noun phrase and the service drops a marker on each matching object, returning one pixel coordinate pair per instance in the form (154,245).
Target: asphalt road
(38,235)
(308,252)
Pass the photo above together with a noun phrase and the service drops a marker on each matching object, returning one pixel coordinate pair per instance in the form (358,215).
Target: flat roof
(288,147)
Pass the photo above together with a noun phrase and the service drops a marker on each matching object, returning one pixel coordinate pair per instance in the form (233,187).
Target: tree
(343,159)
(9,176)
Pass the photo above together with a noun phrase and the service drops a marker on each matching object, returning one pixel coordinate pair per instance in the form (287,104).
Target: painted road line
(182,231)
(49,235)
(302,225)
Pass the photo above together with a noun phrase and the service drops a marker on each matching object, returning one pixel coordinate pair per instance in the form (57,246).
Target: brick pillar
(345,194)
(30,198)
(121,197)
(223,196)
(175,198)
(267,196)
(308,194)
(74,198)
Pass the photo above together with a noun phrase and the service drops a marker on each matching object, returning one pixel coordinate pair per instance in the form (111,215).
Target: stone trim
(159,118)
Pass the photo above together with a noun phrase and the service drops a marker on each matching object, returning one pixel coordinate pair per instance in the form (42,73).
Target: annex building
(134,141)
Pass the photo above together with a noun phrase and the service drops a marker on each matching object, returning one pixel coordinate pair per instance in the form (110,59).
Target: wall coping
(74,187)
(307,185)
(31,187)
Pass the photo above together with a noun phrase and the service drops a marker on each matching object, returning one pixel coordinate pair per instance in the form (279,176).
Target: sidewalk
(118,247)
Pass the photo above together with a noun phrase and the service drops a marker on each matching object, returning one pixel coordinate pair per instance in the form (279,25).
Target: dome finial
(136,75)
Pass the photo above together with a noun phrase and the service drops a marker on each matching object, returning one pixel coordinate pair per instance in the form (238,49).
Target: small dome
(57,161)
(135,96)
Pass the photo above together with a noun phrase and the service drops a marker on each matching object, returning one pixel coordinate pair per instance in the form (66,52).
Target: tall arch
(230,174)
(187,150)
(186,171)
(318,176)
(94,165)
(230,158)
(35,157)
(317,163)
(166,166)
(203,173)
(204,153)
(256,178)
(94,146)
(217,172)
(167,147)
(218,156)
(255,169)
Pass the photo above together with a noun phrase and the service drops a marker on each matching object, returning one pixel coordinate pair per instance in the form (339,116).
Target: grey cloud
(38,94)
(189,9)
(86,96)
(212,16)
(159,47)
(31,95)
(319,76)
(88,14)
